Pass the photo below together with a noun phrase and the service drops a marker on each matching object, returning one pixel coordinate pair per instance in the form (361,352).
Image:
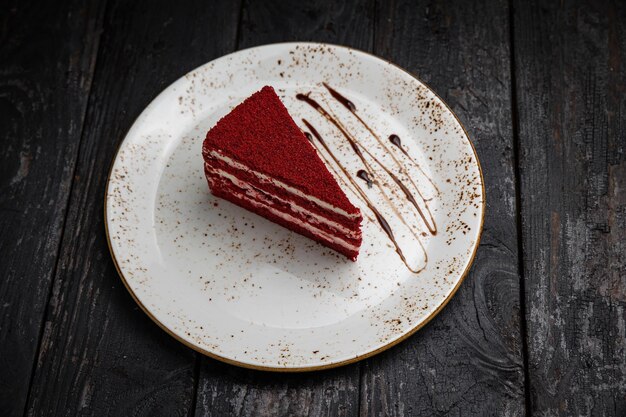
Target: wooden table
(537,328)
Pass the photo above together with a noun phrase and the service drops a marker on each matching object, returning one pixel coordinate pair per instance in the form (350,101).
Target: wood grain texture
(571,88)
(224,390)
(76,69)
(47,54)
(348,23)
(100,354)
(468,361)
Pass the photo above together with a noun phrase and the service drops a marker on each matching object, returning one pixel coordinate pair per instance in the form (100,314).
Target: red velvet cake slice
(258,158)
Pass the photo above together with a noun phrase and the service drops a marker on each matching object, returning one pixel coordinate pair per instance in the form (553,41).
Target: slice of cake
(258,158)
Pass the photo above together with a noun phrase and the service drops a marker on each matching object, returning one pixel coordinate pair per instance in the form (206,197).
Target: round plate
(244,290)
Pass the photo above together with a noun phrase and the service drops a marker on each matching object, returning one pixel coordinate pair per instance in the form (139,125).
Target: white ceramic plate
(239,288)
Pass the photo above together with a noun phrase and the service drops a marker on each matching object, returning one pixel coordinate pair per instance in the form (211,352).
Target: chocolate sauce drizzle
(361,173)
(316,106)
(430,222)
(395,140)
(353,143)
(381,219)
(343,100)
(368,174)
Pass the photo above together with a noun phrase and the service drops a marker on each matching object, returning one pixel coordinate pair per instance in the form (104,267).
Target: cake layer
(228,192)
(269,201)
(286,205)
(300,204)
(218,160)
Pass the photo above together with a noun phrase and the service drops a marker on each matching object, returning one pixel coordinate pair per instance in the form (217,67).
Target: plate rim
(301,369)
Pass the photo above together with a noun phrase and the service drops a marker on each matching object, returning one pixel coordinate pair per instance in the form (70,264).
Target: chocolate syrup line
(398,163)
(409,196)
(432,225)
(361,173)
(333,119)
(343,100)
(340,177)
(381,219)
(407,193)
(323,112)
(395,140)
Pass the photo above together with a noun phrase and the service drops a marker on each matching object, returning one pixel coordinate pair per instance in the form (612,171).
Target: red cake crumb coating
(251,135)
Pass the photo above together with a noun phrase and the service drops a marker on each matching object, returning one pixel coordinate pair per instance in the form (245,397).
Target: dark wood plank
(100,354)
(47,54)
(468,361)
(347,23)
(226,390)
(571,89)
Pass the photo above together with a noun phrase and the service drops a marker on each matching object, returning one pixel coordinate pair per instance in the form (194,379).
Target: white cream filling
(286,216)
(280,184)
(316,218)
